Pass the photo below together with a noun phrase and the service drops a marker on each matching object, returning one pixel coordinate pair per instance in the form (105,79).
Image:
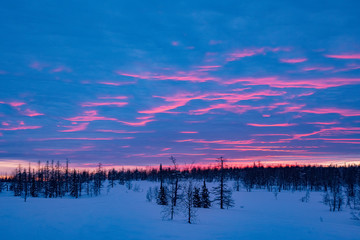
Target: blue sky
(129,83)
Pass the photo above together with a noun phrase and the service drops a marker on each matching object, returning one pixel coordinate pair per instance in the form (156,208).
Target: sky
(130,83)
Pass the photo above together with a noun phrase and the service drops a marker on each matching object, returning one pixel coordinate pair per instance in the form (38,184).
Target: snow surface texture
(125,214)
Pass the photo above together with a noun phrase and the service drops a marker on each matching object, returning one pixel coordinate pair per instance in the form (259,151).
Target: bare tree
(189,209)
(170,210)
(175,181)
(174,188)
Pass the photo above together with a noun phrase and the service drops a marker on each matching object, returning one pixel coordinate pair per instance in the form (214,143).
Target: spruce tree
(205,196)
(196,198)
(74,190)
(33,189)
(162,196)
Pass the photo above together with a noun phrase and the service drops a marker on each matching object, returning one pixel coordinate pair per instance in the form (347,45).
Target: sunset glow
(216,81)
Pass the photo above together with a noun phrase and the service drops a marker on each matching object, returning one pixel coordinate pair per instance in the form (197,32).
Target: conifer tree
(197,198)
(205,196)
(74,189)
(162,196)
(33,188)
(222,192)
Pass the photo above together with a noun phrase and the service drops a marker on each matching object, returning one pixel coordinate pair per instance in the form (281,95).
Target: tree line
(340,184)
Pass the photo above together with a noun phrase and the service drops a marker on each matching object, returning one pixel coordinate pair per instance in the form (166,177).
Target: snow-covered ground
(124,214)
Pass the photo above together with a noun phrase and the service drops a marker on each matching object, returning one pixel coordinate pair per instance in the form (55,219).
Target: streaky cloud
(293,60)
(100,104)
(20,128)
(30,113)
(75,128)
(138,124)
(276,82)
(90,116)
(344,56)
(272,125)
(249,52)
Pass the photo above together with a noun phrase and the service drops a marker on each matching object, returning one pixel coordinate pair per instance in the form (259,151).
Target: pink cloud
(344,56)
(75,128)
(347,142)
(235,97)
(252,52)
(73,138)
(261,149)
(272,125)
(90,116)
(244,53)
(26,112)
(225,142)
(202,121)
(93,116)
(137,124)
(341,111)
(164,154)
(116,83)
(16,104)
(145,117)
(192,76)
(97,104)
(165,149)
(128,138)
(37,66)
(239,109)
(305,94)
(293,108)
(330,131)
(338,140)
(181,99)
(296,83)
(175,43)
(209,68)
(115,97)
(293,60)
(252,80)
(349,67)
(122,131)
(270,134)
(61,150)
(5,124)
(31,113)
(323,123)
(317,68)
(165,108)
(61,69)
(189,132)
(223,106)
(20,128)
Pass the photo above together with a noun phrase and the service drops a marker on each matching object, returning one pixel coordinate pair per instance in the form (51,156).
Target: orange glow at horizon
(8,166)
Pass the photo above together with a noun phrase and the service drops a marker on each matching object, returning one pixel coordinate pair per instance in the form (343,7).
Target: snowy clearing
(125,214)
